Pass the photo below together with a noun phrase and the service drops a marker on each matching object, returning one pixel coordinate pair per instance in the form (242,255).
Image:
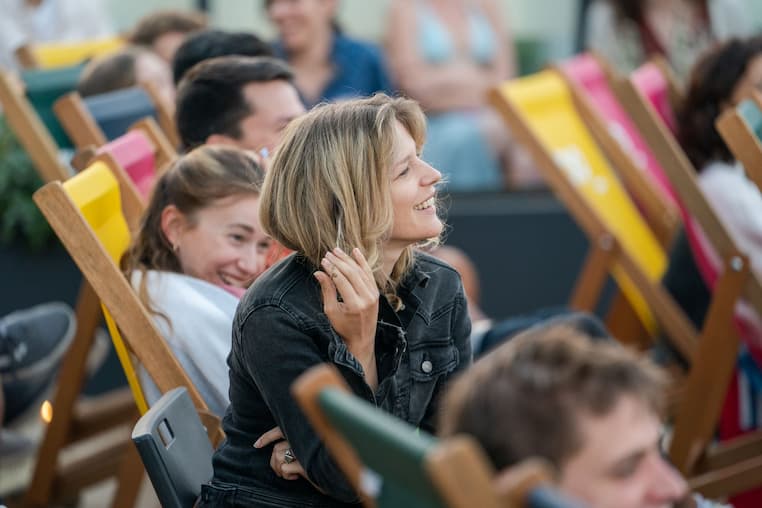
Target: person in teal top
(447,54)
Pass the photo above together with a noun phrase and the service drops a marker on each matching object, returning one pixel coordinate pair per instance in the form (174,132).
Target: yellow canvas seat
(86,214)
(103,212)
(61,54)
(541,111)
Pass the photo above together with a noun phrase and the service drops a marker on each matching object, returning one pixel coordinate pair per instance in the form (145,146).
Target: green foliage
(20,219)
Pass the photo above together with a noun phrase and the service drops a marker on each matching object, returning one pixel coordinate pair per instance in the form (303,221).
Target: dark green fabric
(751,113)
(43,88)
(387,446)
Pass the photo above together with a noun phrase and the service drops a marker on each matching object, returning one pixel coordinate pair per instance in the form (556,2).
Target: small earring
(175,248)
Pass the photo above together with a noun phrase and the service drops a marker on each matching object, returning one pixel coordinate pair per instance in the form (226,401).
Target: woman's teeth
(426,204)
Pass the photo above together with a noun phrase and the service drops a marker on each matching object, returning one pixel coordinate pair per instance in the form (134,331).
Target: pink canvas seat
(588,74)
(654,86)
(135,153)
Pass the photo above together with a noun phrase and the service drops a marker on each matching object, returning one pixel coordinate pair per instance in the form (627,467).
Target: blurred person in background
(213,43)
(164,31)
(593,410)
(26,22)
(327,64)
(128,67)
(447,54)
(628,32)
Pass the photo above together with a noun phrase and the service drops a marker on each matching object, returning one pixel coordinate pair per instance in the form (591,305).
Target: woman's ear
(173,224)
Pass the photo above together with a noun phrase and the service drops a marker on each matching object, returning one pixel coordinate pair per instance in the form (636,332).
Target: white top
(621,45)
(201,317)
(51,21)
(738,203)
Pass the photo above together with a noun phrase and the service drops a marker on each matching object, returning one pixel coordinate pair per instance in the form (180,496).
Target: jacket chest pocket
(429,361)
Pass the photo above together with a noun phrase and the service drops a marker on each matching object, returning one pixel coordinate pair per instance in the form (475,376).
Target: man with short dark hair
(592,409)
(240,101)
(212,44)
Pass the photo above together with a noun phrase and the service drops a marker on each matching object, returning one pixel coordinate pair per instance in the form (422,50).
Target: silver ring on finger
(288,456)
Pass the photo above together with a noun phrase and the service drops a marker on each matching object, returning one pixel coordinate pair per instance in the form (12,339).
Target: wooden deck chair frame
(163,152)
(84,131)
(722,469)
(662,217)
(743,143)
(458,468)
(30,131)
(605,251)
(117,295)
(675,89)
(74,420)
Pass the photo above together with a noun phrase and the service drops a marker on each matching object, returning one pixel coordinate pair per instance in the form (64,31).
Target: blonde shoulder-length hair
(328,183)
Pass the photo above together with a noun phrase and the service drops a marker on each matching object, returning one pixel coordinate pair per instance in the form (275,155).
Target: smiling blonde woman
(348,192)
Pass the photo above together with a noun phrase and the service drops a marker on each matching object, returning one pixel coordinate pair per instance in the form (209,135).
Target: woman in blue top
(447,54)
(327,64)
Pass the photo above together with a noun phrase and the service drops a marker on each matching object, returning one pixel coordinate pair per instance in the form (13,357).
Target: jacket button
(426,366)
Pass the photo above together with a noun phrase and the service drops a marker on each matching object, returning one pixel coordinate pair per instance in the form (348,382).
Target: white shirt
(51,21)
(199,332)
(738,203)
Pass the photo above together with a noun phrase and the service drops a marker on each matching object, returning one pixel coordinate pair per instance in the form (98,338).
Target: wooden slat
(711,371)
(306,390)
(115,291)
(744,144)
(463,476)
(164,151)
(71,376)
(30,131)
(77,121)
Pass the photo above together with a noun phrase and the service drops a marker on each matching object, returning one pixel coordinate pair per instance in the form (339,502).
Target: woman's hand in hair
(350,300)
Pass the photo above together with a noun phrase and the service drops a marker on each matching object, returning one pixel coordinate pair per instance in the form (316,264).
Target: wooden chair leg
(131,472)
(623,323)
(594,273)
(710,372)
(71,377)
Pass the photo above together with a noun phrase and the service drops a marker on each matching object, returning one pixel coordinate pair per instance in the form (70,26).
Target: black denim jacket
(280,331)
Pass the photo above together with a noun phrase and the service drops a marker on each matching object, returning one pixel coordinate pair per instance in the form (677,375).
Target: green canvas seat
(392,464)
(43,88)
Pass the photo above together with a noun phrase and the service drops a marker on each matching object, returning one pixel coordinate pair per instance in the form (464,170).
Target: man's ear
(222,139)
(173,223)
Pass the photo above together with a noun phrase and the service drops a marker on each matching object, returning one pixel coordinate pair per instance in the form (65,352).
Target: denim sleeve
(277,350)
(460,331)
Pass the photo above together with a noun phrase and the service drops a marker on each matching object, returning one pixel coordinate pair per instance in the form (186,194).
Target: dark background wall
(527,249)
